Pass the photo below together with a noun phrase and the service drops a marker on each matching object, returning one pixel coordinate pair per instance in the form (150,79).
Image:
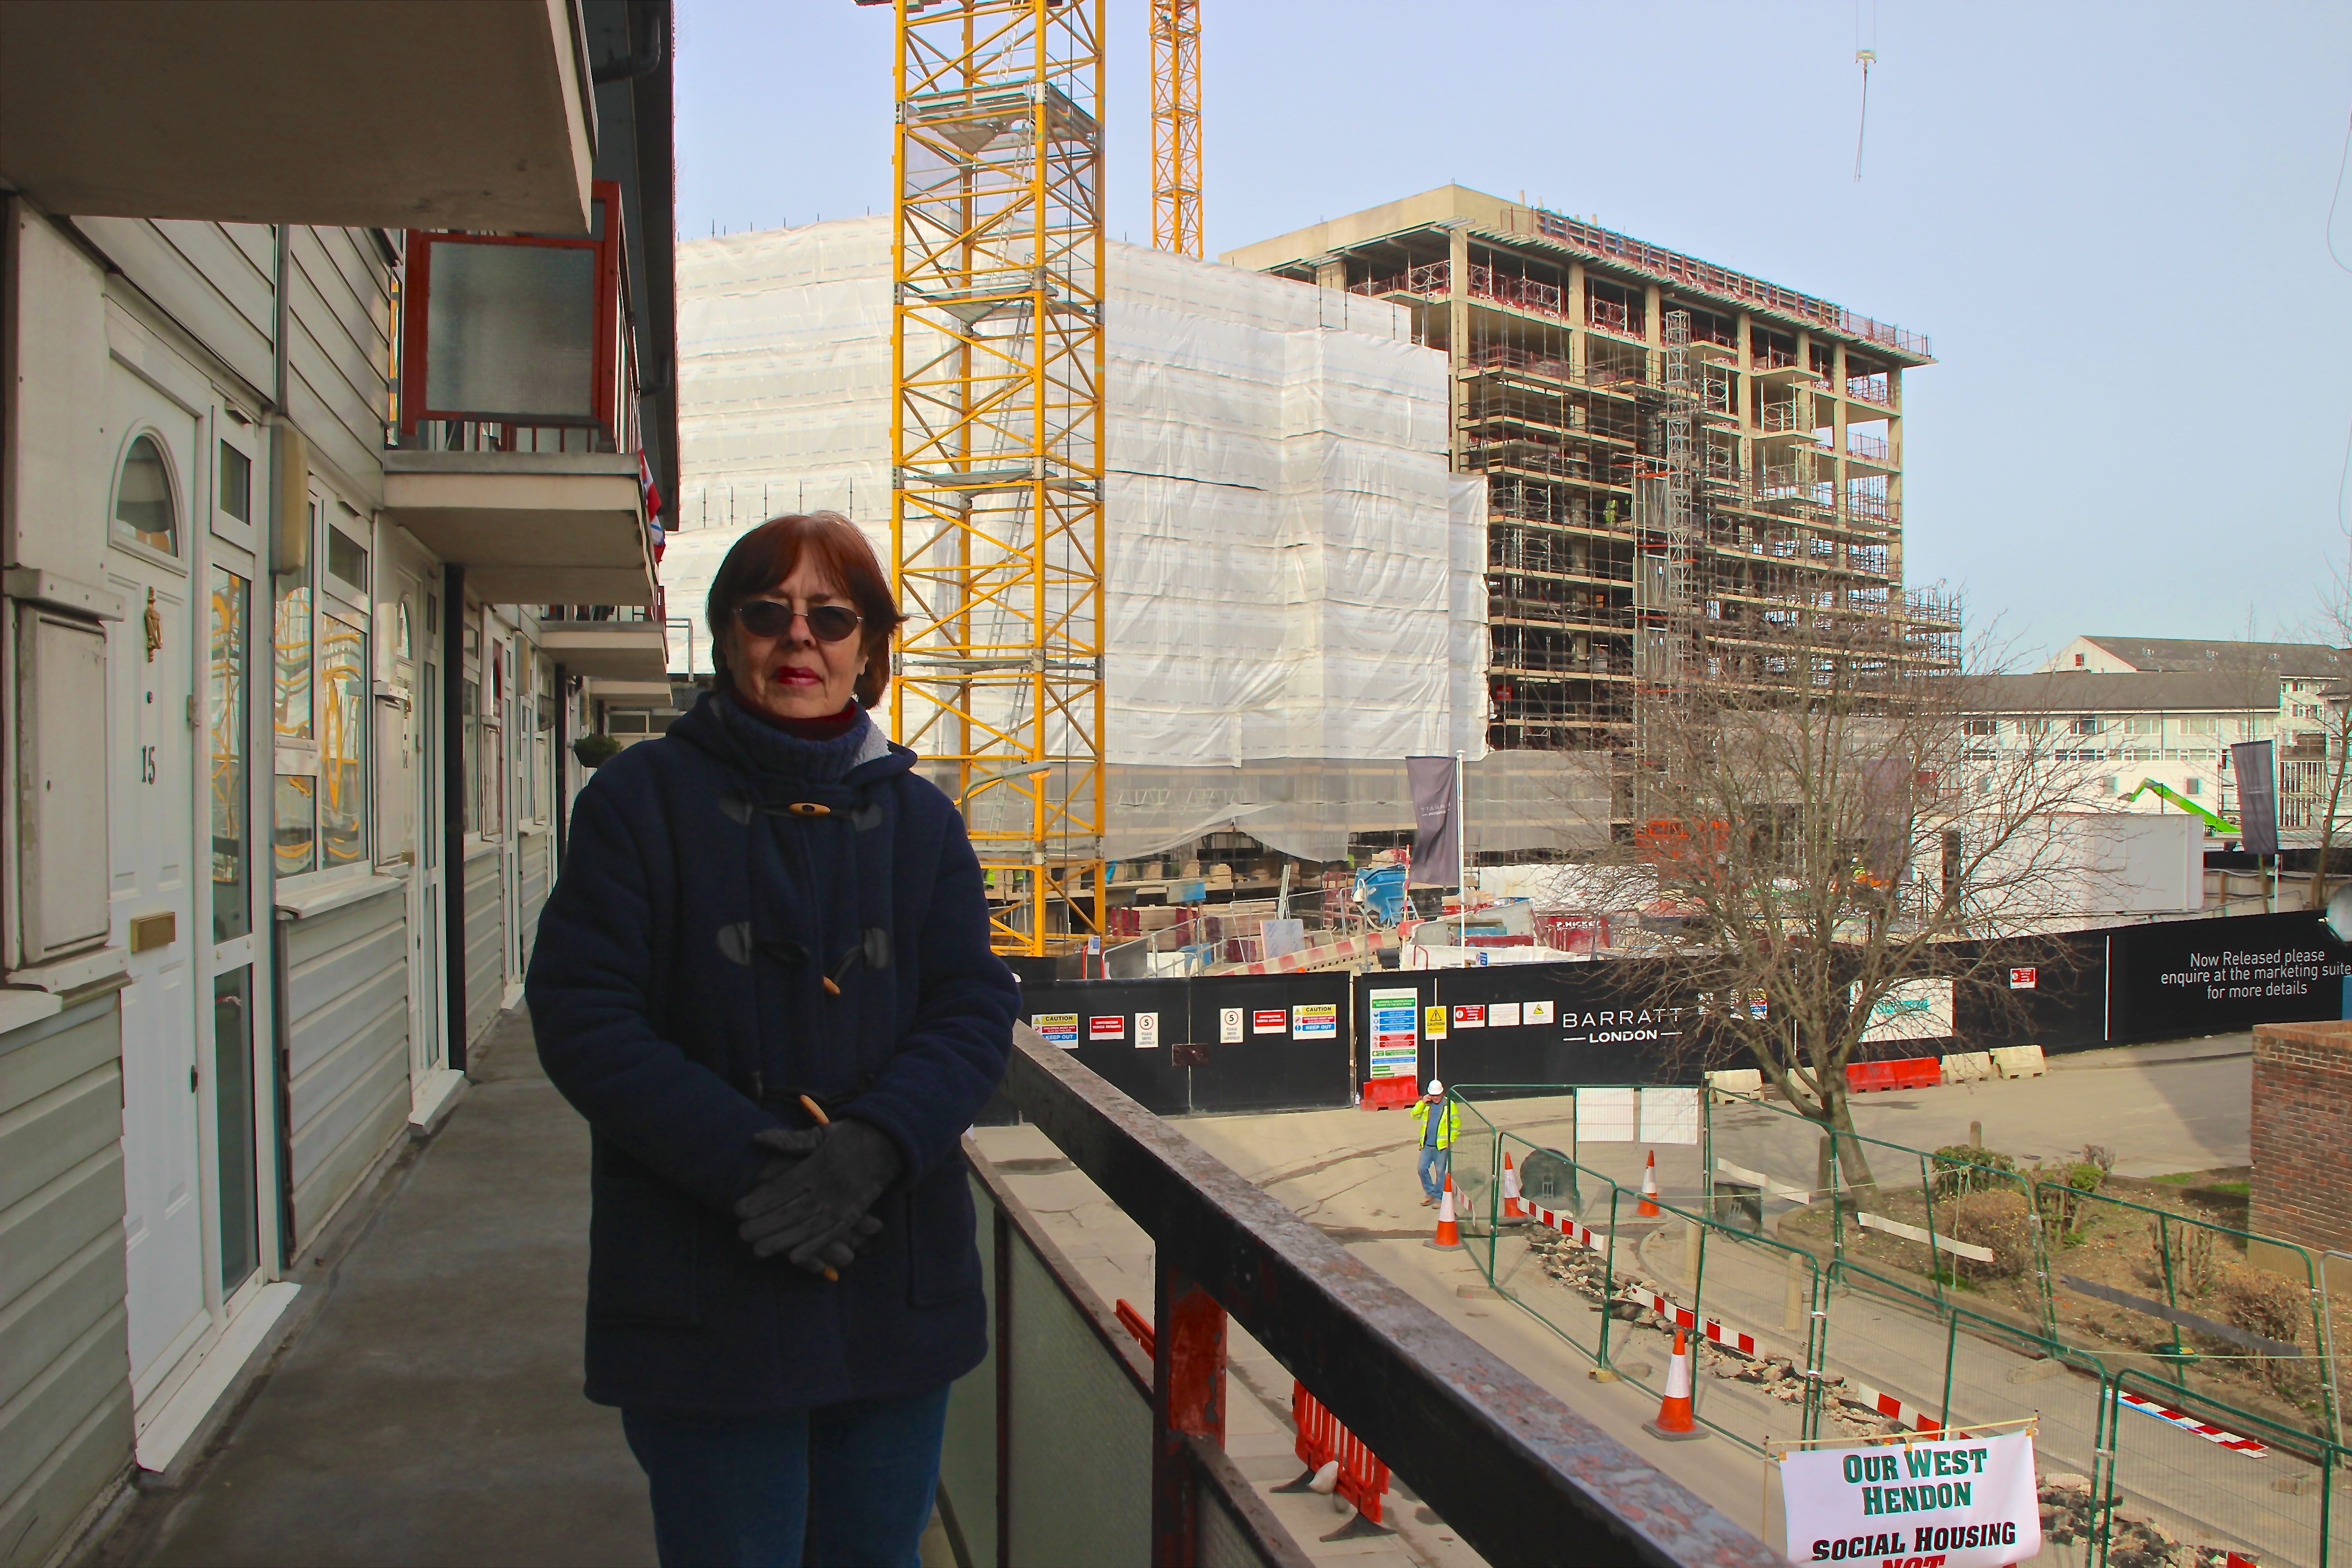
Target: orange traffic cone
(1449,1235)
(1675,1423)
(1648,1207)
(1512,1207)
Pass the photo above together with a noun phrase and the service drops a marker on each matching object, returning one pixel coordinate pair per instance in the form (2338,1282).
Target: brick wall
(2302,1133)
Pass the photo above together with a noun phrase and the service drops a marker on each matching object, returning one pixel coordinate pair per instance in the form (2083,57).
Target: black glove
(790,1146)
(813,1209)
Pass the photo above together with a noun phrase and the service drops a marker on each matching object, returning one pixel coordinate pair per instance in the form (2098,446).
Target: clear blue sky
(2110,218)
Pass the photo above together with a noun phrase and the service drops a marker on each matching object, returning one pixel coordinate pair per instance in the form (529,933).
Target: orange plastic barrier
(1388,1093)
(1363,1478)
(1136,1323)
(1909,1072)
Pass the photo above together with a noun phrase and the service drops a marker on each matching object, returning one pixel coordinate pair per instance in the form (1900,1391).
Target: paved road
(2179,1106)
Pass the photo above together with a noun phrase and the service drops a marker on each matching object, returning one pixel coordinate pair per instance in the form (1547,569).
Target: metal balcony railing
(517,343)
(1068,1447)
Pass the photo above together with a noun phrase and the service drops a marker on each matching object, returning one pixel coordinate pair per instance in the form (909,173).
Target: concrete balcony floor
(425,1408)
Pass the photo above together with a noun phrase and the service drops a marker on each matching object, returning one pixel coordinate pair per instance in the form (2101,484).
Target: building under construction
(1683,463)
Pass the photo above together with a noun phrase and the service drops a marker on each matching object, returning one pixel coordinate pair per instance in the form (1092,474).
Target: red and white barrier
(1682,1316)
(1597,1240)
(1887,1405)
(2189,1423)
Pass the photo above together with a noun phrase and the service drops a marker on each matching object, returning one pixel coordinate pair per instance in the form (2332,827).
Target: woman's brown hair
(773,552)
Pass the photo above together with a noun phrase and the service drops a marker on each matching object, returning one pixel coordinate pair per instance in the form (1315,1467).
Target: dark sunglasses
(826,622)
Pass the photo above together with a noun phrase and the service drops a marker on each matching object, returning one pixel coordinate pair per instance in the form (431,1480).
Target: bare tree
(2333,627)
(1840,824)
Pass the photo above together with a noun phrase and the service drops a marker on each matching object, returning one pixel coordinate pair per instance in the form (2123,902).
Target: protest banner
(1963,1502)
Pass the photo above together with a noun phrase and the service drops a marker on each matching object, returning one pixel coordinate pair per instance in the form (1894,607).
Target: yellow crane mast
(1176,126)
(996,511)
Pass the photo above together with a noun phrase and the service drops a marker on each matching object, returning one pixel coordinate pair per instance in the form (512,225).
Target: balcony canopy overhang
(608,650)
(470,114)
(528,527)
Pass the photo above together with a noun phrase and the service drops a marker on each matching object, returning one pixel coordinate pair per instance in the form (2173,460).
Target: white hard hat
(1435,1087)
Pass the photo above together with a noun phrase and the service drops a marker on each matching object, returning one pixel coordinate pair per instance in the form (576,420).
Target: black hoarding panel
(1241,1042)
(1121,1029)
(1270,1041)
(1610,1021)
(2178,979)
(2049,992)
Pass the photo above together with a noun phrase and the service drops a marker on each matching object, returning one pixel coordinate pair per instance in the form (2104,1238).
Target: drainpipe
(561,806)
(453,815)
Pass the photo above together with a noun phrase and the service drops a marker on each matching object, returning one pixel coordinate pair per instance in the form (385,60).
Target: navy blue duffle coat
(714,879)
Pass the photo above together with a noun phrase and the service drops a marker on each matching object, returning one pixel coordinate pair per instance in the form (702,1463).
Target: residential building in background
(290,483)
(2169,709)
(1592,376)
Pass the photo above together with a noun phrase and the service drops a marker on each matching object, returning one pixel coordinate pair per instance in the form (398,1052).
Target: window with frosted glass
(226,737)
(469,727)
(342,731)
(142,498)
(236,483)
(294,816)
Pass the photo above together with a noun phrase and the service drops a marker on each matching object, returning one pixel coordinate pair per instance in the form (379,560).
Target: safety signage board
(1538,1012)
(1395,1046)
(1962,1503)
(1315,1021)
(1433,1021)
(1908,1010)
(1270,1021)
(1112,1026)
(1059,1029)
(1229,1025)
(1503,1015)
(1470,1015)
(1146,1031)
(2027,978)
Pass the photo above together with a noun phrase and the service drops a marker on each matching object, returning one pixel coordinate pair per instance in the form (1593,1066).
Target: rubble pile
(2134,1541)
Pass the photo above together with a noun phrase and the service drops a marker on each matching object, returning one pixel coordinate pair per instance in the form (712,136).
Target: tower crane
(996,431)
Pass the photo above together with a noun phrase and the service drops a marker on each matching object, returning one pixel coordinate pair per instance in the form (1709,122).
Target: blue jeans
(1435,1164)
(736,1493)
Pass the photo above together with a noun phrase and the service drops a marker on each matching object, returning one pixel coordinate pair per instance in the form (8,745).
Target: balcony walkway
(428,1410)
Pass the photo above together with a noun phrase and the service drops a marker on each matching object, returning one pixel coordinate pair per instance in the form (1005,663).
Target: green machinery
(2184,803)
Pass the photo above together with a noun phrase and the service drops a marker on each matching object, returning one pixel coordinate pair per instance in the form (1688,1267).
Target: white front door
(150,790)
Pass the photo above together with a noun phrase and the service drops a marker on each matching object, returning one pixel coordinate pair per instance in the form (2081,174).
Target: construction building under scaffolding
(1683,463)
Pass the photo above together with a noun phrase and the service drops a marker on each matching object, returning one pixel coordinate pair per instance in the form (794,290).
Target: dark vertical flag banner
(1436,822)
(2250,764)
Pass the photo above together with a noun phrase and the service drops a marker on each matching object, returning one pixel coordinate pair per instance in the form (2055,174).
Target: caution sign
(1315,1020)
(1964,1503)
(1059,1029)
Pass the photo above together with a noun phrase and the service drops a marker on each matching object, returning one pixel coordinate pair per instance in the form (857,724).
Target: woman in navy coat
(764,978)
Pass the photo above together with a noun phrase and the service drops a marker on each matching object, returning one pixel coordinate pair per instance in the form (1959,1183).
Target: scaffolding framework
(996,520)
(1687,469)
(1666,560)
(1176,126)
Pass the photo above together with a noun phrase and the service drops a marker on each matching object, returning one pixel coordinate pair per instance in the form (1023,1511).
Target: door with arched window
(152,872)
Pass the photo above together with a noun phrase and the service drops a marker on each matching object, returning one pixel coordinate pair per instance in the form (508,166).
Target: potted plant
(595,750)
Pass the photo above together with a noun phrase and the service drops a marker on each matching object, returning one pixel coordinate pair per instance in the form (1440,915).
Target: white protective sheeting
(1294,580)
